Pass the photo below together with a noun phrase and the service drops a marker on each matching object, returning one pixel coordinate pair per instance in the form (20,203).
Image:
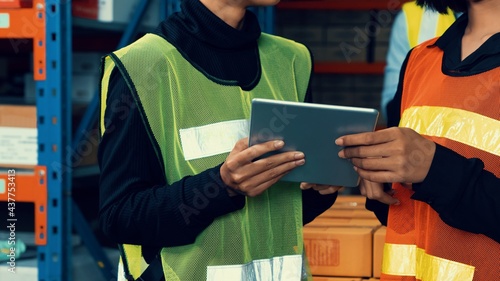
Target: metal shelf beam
(31,188)
(21,24)
(54,122)
(349,68)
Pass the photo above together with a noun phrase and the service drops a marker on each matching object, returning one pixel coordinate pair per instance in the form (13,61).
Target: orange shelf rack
(349,68)
(341,5)
(31,188)
(25,23)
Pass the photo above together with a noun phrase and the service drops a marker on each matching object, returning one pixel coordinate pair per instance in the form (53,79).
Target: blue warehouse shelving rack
(48,23)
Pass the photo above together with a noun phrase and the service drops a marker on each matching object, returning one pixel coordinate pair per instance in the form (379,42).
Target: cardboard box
(378,250)
(322,278)
(18,136)
(350,202)
(19,140)
(16,3)
(115,11)
(339,251)
(343,222)
(348,213)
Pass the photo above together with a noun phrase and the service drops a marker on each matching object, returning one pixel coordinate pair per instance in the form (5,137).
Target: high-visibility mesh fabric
(173,95)
(475,99)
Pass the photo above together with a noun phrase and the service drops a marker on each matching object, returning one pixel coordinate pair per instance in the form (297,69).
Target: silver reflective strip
(213,139)
(285,268)
(121,272)
(428,25)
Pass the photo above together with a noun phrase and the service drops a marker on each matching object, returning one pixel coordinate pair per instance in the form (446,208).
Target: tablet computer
(312,129)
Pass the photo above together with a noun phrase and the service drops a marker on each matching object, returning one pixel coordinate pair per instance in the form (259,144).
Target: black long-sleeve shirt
(464,195)
(137,206)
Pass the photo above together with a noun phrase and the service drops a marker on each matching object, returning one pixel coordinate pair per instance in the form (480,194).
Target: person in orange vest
(443,159)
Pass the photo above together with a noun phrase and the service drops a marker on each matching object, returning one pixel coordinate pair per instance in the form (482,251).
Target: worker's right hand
(375,191)
(251,178)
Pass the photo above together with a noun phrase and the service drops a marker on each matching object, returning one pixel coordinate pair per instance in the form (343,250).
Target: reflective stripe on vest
(413,261)
(461,114)
(195,120)
(204,141)
(286,268)
(486,134)
(424,24)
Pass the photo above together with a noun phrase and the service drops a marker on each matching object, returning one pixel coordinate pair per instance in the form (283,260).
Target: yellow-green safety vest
(196,119)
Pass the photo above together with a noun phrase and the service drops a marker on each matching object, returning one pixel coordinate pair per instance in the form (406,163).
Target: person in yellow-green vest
(442,157)
(179,190)
(412,26)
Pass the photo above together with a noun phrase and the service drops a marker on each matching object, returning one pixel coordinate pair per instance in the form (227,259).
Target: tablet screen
(312,129)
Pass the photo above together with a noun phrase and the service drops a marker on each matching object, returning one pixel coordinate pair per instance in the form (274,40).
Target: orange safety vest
(462,114)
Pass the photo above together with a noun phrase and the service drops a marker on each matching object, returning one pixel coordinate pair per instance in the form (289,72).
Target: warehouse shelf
(105,26)
(341,5)
(21,24)
(349,68)
(26,186)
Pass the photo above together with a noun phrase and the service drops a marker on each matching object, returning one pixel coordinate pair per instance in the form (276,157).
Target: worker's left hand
(390,155)
(321,188)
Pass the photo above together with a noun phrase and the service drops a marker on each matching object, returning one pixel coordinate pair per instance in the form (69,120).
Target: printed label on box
(324,252)
(18,146)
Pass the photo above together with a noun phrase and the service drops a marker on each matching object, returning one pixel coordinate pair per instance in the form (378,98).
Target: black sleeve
(394,106)
(464,195)
(314,204)
(137,206)
(380,209)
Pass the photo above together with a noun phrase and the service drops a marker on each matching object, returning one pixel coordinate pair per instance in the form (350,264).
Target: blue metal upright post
(172,6)
(54,133)
(86,125)
(265,16)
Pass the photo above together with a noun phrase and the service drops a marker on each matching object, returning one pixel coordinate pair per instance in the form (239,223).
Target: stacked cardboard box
(345,242)
(18,136)
(15,3)
(19,140)
(339,251)
(378,249)
(344,222)
(318,278)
